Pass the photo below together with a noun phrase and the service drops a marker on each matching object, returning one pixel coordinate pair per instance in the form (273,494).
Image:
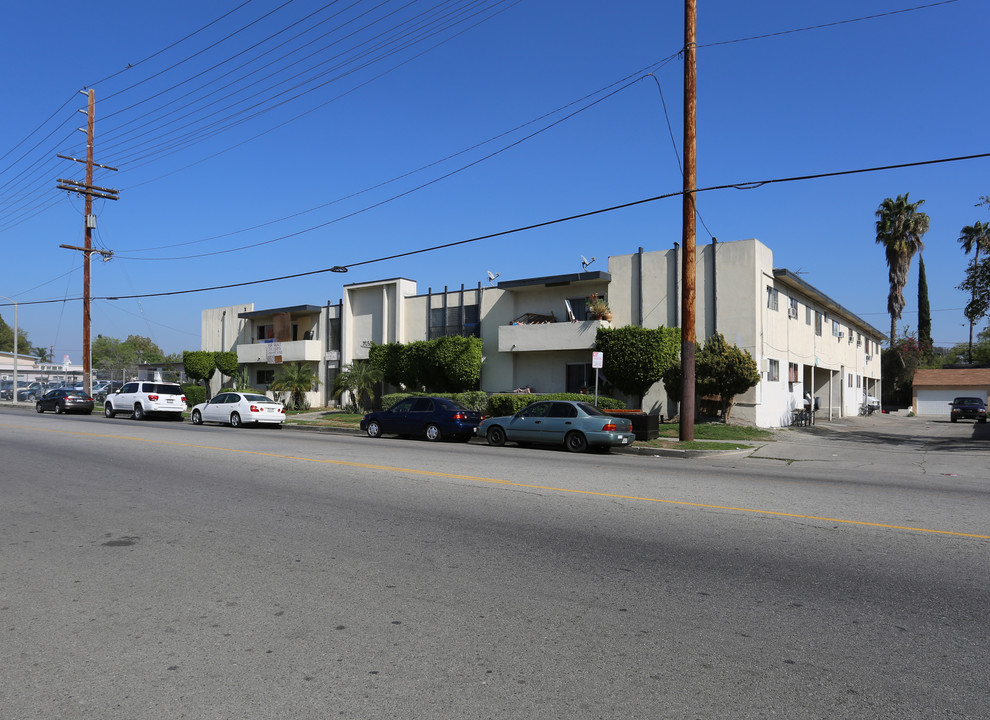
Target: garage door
(936,402)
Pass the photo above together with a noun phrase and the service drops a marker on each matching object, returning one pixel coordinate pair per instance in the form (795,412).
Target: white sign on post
(597,359)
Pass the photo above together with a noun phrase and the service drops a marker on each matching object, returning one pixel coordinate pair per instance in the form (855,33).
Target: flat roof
(293,310)
(556,280)
(789,278)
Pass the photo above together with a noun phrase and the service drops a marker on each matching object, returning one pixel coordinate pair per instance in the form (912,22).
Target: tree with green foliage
(226,363)
(7,339)
(725,370)
(977,284)
(900,227)
(358,380)
(924,311)
(974,238)
(294,380)
(721,370)
(897,366)
(635,358)
(200,365)
(388,359)
(446,364)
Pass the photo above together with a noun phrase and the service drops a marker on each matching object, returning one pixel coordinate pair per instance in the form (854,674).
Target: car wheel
(197,417)
(576,442)
(496,436)
(953,419)
(139,413)
(38,408)
(108,410)
(235,420)
(59,409)
(374,430)
(433,433)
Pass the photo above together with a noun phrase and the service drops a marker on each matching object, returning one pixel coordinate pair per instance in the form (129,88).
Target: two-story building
(537,332)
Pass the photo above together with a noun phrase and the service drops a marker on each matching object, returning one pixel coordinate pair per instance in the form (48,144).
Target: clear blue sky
(389,89)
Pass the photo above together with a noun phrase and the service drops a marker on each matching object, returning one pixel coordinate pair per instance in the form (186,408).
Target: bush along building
(538,333)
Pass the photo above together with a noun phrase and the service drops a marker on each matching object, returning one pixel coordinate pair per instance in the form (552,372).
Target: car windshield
(967,401)
(258,398)
(76,393)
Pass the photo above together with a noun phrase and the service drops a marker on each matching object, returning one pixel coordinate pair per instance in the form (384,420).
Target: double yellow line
(527,486)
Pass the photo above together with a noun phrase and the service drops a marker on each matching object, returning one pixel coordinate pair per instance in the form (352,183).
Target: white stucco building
(536,332)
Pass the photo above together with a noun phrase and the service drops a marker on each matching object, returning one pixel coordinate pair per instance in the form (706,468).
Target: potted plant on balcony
(598,307)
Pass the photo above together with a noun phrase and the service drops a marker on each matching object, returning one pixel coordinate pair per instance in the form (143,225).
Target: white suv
(143,399)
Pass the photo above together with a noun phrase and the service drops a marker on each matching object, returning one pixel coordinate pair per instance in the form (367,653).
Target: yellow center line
(510,483)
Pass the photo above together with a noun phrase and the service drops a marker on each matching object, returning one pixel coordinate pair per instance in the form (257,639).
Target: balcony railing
(294,351)
(537,337)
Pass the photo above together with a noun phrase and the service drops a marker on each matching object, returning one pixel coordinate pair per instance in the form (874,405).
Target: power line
(443,246)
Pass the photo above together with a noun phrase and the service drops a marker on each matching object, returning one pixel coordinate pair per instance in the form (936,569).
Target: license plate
(625,440)
(169,400)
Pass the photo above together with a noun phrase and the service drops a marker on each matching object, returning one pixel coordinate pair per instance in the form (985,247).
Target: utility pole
(688,337)
(90,191)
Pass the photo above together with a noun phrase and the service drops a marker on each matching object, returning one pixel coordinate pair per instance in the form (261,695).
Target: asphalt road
(161,570)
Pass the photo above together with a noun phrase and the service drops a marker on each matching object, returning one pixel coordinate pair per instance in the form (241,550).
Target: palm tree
(974,238)
(296,379)
(359,379)
(900,227)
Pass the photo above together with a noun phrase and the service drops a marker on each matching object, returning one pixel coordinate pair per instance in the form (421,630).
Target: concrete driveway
(888,443)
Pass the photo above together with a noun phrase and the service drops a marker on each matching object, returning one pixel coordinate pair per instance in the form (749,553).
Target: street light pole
(13,396)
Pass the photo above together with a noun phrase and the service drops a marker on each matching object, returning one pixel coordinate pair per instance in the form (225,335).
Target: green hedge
(506,403)
(511,403)
(473,400)
(195,394)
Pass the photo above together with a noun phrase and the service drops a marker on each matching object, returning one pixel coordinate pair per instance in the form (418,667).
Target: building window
(265,377)
(850,379)
(819,320)
(266,332)
(773,371)
(772,297)
(792,307)
(835,328)
(792,372)
(807,316)
(858,380)
(462,320)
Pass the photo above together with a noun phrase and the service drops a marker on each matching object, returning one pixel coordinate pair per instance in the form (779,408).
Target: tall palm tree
(974,238)
(900,227)
(296,379)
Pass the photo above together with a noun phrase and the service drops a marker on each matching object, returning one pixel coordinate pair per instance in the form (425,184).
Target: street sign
(596,359)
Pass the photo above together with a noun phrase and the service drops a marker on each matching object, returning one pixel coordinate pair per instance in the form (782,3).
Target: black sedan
(972,408)
(431,417)
(65,400)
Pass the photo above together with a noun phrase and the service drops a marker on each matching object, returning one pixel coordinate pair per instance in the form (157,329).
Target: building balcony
(538,337)
(295,351)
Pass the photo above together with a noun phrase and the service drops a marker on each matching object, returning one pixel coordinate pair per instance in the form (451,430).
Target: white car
(236,409)
(144,399)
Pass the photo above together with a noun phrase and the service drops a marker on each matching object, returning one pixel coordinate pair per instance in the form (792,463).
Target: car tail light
(608,427)
(183,398)
(152,398)
(255,408)
(460,416)
(282,410)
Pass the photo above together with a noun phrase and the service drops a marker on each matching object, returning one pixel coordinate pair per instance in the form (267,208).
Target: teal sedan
(575,425)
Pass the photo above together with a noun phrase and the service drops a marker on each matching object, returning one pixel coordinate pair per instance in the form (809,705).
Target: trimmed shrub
(511,403)
(473,400)
(195,394)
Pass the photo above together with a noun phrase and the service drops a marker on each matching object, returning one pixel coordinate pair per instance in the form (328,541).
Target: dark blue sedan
(431,417)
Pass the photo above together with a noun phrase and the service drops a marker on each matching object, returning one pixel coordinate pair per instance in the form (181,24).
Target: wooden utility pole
(688,343)
(89,191)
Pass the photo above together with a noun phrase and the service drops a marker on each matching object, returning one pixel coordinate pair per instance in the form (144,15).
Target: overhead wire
(341,268)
